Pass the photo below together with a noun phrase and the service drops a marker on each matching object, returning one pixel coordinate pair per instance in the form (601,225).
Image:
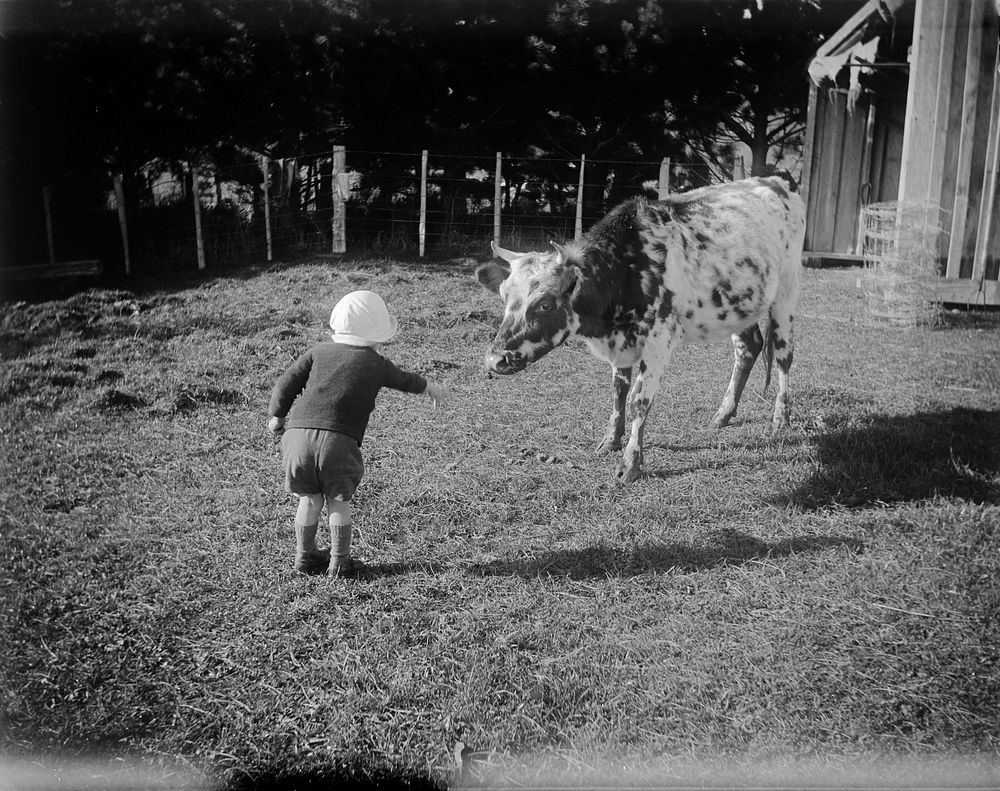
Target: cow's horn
(506,255)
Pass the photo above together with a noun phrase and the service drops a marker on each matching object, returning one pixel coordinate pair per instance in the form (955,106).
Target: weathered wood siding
(835,174)
(939,145)
(950,150)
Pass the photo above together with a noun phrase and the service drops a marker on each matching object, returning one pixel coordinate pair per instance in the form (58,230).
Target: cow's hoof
(627,474)
(608,446)
(719,421)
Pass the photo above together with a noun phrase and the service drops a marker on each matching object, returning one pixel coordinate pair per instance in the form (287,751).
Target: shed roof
(857,43)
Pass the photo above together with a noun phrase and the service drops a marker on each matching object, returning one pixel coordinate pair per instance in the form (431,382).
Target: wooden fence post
(340,191)
(47,200)
(422,227)
(267,205)
(122,224)
(578,233)
(663,182)
(496,201)
(196,193)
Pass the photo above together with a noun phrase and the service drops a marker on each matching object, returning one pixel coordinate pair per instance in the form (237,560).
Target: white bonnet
(362,319)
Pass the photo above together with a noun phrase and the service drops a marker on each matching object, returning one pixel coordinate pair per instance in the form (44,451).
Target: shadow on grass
(724,547)
(900,458)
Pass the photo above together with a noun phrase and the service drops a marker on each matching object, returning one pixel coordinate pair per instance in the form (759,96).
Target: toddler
(334,385)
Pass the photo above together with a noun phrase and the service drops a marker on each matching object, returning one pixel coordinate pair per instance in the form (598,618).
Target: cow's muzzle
(504,363)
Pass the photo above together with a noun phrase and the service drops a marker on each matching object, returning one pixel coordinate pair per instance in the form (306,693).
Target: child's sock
(309,559)
(341,533)
(340,539)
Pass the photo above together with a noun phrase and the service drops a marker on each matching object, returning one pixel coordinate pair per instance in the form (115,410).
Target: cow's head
(537,293)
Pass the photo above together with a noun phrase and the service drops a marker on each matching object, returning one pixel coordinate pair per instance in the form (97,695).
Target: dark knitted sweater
(338,384)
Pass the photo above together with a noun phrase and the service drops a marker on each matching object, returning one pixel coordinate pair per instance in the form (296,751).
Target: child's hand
(437,393)
(276,425)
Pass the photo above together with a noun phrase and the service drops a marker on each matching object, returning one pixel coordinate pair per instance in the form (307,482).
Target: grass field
(822,605)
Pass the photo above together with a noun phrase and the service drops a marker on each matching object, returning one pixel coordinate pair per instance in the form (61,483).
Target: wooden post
(422,226)
(122,224)
(991,175)
(267,205)
(578,233)
(966,138)
(198,238)
(942,103)
(918,180)
(663,182)
(496,201)
(47,200)
(338,232)
(807,147)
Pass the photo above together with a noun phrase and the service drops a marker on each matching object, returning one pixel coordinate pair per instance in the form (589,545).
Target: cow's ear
(491,275)
(571,279)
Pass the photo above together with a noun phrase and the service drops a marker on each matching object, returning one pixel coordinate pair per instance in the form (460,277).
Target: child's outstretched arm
(437,392)
(415,383)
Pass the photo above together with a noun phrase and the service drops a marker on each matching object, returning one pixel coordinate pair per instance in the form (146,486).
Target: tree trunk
(761,144)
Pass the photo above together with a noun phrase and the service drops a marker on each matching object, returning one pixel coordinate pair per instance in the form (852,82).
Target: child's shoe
(312,562)
(309,559)
(345,566)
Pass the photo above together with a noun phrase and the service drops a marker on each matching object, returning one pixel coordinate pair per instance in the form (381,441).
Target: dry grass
(822,603)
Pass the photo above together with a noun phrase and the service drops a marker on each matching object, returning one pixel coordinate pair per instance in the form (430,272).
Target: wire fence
(380,202)
(901,241)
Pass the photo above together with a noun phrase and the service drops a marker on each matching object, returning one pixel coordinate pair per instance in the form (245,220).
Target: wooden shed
(903,106)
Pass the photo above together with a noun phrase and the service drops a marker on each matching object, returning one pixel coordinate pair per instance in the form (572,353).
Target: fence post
(338,232)
(422,227)
(663,183)
(578,234)
(122,224)
(47,200)
(196,192)
(496,201)
(267,205)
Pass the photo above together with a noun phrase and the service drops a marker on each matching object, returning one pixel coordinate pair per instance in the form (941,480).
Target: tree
(747,65)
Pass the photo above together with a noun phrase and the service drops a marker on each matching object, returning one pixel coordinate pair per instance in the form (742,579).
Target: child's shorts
(317,461)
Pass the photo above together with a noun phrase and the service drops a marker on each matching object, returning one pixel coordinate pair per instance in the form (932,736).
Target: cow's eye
(544,307)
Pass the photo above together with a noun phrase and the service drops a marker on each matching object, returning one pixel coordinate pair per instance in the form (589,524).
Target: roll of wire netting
(900,246)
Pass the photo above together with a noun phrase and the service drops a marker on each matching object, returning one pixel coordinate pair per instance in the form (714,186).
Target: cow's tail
(768,353)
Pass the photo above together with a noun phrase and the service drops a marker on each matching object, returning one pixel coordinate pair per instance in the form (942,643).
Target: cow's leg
(781,338)
(746,349)
(645,385)
(621,378)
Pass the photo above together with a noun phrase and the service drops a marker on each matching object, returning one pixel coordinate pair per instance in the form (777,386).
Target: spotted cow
(717,261)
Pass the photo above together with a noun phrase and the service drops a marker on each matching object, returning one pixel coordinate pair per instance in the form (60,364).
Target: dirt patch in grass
(112,400)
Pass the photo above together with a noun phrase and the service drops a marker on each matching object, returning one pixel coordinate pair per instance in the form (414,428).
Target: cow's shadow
(904,458)
(722,547)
